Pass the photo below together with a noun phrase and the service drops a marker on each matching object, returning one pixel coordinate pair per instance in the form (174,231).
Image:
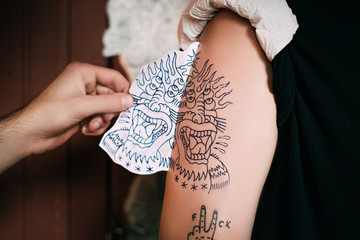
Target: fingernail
(96,125)
(85,129)
(127,101)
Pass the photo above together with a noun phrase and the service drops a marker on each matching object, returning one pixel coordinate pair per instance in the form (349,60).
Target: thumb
(106,103)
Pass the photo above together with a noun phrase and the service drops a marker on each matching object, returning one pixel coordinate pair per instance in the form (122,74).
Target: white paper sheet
(141,140)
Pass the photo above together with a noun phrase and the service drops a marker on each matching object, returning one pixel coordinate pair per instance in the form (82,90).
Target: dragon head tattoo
(199,134)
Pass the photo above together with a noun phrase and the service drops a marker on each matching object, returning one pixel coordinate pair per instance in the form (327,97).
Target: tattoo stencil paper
(200,135)
(141,140)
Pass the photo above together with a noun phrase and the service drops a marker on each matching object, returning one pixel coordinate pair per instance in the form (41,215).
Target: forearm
(14,143)
(225,171)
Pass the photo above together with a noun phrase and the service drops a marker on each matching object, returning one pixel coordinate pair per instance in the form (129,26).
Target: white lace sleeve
(142,31)
(273,20)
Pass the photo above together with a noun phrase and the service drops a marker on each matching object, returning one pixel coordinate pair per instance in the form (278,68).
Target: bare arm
(225,138)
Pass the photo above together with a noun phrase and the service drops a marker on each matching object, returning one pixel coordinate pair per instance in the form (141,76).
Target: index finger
(110,78)
(202,218)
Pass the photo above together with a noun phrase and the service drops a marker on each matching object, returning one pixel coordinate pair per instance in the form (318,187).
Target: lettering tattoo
(201,231)
(200,138)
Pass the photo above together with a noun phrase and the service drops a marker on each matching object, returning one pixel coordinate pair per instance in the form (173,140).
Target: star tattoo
(138,168)
(194,187)
(127,164)
(149,169)
(184,184)
(204,186)
(176,178)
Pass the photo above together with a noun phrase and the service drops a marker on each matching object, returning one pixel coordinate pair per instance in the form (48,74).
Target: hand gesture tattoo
(200,231)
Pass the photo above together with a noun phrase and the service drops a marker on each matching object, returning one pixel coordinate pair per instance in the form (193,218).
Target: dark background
(75,191)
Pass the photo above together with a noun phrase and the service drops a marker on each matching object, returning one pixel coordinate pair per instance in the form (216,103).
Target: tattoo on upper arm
(201,231)
(200,139)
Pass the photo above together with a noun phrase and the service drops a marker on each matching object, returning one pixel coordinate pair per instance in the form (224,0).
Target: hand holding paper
(141,139)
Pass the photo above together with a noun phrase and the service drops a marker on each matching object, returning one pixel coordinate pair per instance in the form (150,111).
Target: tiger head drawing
(147,129)
(199,134)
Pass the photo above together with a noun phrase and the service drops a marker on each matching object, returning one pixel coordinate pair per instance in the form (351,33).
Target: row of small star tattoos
(192,186)
(137,168)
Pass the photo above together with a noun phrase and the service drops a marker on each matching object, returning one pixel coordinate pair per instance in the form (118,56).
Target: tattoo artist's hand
(82,97)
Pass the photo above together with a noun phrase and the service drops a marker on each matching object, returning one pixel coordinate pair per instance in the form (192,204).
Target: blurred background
(72,192)
(76,191)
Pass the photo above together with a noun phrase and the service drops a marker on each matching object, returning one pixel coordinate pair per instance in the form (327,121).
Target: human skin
(82,97)
(245,132)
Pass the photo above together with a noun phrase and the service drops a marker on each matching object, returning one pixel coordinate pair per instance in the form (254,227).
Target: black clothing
(313,187)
